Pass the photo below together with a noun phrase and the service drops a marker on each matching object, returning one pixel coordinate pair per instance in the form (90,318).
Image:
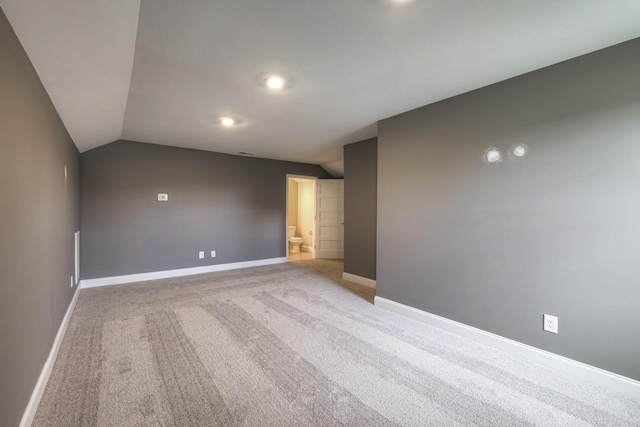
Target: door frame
(286,228)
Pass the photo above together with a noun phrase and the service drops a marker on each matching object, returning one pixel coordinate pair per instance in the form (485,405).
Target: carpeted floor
(290,345)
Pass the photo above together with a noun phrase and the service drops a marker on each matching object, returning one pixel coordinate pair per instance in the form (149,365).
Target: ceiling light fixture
(275,82)
(520,150)
(493,155)
(227,121)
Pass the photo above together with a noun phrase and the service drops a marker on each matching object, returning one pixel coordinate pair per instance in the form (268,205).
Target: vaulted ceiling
(165,71)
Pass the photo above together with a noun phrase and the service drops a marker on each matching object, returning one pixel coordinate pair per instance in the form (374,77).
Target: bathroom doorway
(301,200)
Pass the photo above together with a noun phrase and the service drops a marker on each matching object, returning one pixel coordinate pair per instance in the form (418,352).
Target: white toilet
(294,242)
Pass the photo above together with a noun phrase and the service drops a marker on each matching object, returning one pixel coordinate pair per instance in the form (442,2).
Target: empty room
(319,213)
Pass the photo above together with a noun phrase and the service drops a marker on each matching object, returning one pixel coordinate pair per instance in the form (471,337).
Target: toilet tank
(292,231)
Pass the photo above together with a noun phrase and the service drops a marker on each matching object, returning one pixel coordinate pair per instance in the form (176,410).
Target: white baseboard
(38,391)
(306,248)
(370,283)
(141,277)
(618,383)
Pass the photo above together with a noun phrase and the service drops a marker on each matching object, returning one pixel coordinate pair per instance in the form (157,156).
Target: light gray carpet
(287,345)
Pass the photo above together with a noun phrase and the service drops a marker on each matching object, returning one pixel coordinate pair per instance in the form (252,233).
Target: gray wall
(497,245)
(231,204)
(360,200)
(39,213)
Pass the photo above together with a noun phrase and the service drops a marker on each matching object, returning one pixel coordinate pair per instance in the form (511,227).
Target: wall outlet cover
(163,197)
(201,254)
(213,254)
(550,323)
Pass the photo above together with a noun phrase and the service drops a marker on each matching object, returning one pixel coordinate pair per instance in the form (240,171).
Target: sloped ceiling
(83,52)
(165,71)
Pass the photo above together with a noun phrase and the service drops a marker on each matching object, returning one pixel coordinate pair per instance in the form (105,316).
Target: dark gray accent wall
(39,213)
(497,245)
(360,204)
(231,204)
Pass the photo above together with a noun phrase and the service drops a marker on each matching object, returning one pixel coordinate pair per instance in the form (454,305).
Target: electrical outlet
(550,323)
(72,281)
(163,197)
(201,254)
(213,254)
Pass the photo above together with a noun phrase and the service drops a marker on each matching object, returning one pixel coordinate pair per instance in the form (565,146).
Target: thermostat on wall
(163,197)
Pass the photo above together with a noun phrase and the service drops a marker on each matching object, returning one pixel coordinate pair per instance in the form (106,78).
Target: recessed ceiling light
(227,121)
(493,155)
(275,82)
(519,150)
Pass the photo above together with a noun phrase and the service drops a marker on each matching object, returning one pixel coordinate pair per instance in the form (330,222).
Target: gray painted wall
(39,213)
(231,204)
(497,245)
(360,200)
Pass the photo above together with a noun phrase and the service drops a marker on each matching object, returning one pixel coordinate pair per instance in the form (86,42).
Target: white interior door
(330,219)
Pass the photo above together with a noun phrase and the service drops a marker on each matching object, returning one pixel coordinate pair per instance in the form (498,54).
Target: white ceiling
(348,64)
(83,52)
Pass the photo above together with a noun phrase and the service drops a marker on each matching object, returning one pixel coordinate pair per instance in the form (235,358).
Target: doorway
(301,201)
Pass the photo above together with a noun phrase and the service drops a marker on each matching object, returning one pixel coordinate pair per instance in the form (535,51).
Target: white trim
(364,281)
(306,248)
(141,277)
(610,380)
(38,391)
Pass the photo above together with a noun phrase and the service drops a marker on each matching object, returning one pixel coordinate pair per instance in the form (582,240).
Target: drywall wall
(293,202)
(39,213)
(306,212)
(360,200)
(231,204)
(497,245)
